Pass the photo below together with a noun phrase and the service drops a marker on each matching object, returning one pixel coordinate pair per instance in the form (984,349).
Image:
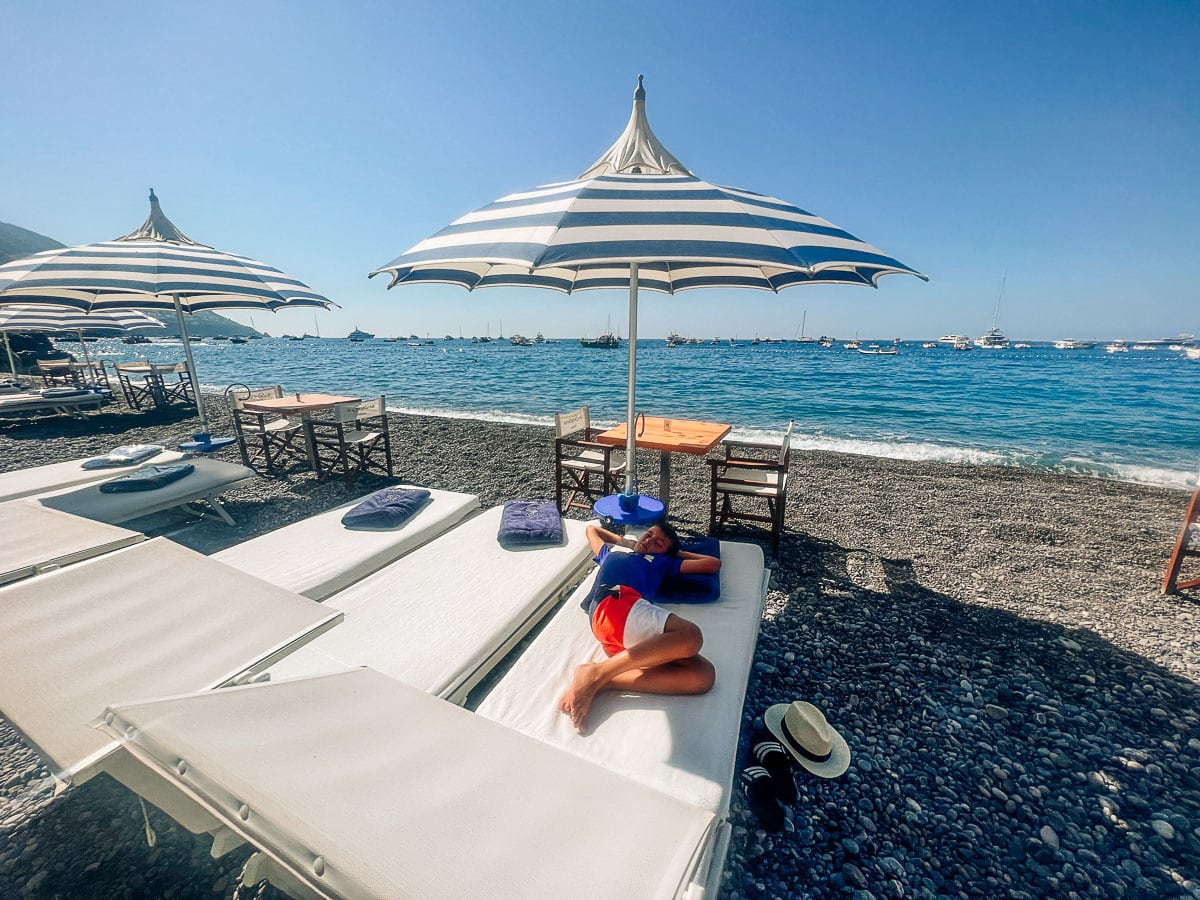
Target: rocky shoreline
(1020,702)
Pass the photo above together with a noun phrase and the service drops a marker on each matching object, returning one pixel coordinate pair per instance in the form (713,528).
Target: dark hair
(669,530)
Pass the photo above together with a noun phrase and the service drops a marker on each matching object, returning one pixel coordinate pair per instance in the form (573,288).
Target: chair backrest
(346,412)
(123,368)
(571,422)
(54,365)
(786,444)
(371,409)
(268,393)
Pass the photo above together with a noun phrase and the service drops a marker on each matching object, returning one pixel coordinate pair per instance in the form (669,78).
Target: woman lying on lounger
(649,649)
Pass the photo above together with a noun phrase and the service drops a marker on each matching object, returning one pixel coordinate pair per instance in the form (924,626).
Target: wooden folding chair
(1186,545)
(744,473)
(584,471)
(173,382)
(136,384)
(266,436)
(352,438)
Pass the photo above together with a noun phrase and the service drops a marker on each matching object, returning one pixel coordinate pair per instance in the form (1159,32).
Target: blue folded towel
(694,587)
(530,523)
(387,508)
(147,479)
(125,455)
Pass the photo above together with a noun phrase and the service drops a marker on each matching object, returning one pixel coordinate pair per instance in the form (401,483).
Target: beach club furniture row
(393,783)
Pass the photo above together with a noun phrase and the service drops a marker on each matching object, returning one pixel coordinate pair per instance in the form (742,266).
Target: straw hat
(802,729)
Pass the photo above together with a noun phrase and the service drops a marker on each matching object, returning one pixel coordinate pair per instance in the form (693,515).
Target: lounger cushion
(694,587)
(126,455)
(57,393)
(148,479)
(685,746)
(387,508)
(530,523)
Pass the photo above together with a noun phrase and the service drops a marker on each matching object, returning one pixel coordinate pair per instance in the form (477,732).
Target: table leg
(664,478)
(310,442)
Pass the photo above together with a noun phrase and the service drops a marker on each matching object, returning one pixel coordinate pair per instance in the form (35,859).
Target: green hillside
(17,242)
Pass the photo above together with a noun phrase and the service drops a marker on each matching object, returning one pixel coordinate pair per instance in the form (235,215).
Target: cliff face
(17,242)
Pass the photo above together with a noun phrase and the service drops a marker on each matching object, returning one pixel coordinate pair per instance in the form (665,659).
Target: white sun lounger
(72,405)
(57,476)
(210,479)
(355,785)
(37,539)
(440,618)
(151,619)
(318,556)
(685,746)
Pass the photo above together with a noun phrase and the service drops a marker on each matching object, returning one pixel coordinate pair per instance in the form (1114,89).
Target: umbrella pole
(630,411)
(87,360)
(12,366)
(191,364)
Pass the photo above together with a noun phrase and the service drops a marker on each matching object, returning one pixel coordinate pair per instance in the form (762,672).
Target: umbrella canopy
(155,267)
(638,218)
(36,317)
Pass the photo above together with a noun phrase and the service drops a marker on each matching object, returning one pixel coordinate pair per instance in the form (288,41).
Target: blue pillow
(530,523)
(147,479)
(694,587)
(387,508)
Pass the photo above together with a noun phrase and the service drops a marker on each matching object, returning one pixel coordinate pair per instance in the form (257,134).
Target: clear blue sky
(1057,141)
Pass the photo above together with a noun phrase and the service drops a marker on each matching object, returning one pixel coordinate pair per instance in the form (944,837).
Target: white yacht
(952,338)
(995,339)
(963,343)
(1069,344)
(1117,347)
(357,335)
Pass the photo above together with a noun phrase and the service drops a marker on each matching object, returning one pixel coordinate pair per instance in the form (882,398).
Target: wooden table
(668,436)
(305,405)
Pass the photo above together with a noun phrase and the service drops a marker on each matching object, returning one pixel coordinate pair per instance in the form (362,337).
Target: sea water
(1129,416)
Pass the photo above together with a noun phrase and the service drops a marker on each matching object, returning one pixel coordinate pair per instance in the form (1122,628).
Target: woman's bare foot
(579,696)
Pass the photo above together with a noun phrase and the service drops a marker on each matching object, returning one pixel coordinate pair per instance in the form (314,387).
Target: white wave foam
(914,451)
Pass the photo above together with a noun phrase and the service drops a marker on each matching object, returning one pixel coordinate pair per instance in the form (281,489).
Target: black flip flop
(761,797)
(770,755)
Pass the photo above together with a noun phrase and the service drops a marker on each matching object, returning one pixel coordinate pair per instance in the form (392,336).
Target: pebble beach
(1020,702)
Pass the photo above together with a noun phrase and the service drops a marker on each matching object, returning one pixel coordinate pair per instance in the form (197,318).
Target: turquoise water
(1129,416)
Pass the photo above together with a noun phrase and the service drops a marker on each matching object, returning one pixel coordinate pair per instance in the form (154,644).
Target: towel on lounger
(530,523)
(64,392)
(387,508)
(147,479)
(694,587)
(125,455)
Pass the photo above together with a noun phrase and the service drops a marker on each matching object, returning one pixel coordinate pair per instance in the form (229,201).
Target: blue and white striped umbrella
(155,267)
(638,218)
(36,317)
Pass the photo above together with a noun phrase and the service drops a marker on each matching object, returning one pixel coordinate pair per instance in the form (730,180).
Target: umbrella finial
(637,151)
(158,227)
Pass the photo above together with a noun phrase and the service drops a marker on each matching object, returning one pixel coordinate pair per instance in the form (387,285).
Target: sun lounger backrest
(399,794)
(37,539)
(209,479)
(58,476)
(152,619)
